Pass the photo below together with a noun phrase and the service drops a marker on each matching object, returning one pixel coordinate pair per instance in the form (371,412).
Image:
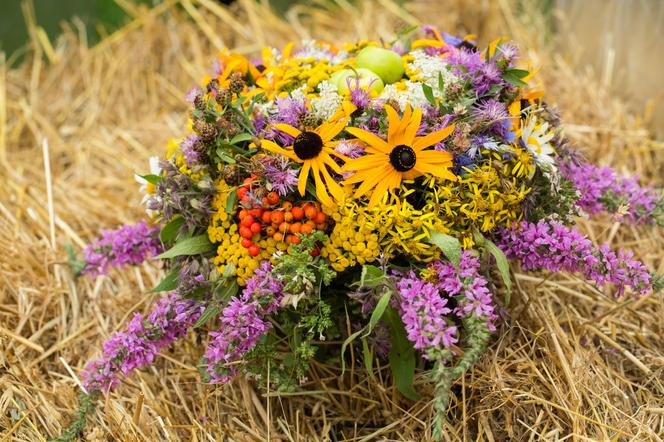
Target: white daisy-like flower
(146,188)
(535,136)
(413,95)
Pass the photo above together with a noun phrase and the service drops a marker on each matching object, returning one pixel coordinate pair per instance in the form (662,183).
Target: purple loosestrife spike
(602,190)
(140,343)
(129,244)
(549,245)
(243,323)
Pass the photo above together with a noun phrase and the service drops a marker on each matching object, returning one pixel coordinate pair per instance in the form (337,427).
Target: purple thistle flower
(193,94)
(243,323)
(129,244)
(279,174)
(551,246)
(140,343)
(602,189)
(191,155)
(350,149)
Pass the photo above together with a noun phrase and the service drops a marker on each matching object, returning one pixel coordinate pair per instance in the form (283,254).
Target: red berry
(247,221)
(255,227)
(311,212)
(242,214)
(287,205)
(273,198)
(297,212)
(242,191)
(266,216)
(320,218)
(277,217)
(254,250)
(245,232)
(256,213)
(246,243)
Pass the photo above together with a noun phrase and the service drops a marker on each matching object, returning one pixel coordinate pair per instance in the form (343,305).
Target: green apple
(384,62)
(367,79)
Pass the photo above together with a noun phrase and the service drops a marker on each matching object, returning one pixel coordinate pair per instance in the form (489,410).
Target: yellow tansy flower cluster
(173,151)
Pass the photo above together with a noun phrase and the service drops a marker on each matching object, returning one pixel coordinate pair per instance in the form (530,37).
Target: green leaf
(519,73)
(379,310)
(240,138)
(223,156)
(450,246)
(441,82)
(75,265)
(187,247)
(514,79)
(371,276)
(402,356)
(368,357)
(231,201)
(170,282)
(346,343)
(228,291)
(211,311)
(152,179)
(501,262)
(170,230)
(428,93)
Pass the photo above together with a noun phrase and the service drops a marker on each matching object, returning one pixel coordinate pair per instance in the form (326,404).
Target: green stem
(477,339)
(86,407)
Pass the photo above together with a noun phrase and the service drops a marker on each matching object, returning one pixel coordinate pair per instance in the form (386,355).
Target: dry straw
(571,363)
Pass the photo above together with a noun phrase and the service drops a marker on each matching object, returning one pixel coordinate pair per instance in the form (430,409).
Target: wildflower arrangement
(370,194)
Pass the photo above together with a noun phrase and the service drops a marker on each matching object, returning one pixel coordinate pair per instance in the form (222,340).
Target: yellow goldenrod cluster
(309,72)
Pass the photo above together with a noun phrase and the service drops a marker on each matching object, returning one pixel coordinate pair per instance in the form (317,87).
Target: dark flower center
(307,145)
(403,158)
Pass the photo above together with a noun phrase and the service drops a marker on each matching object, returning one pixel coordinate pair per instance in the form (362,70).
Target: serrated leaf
(428,93)
(346,343)
(170,230)
(151,178)
(379,310)
(170,282)
(368,357)
(240,138)
(402,356)
(187,247)
(449,245)
(211,311)
(231,201)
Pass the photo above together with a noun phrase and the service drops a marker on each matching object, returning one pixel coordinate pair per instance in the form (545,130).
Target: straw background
(76,123)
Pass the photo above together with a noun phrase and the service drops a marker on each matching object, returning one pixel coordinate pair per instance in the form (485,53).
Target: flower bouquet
(371,194)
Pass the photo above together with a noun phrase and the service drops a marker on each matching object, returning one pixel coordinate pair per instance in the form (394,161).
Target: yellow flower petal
(321,192)
(302,179)
(290,130)
(431,139)
(369,138)
(274,147)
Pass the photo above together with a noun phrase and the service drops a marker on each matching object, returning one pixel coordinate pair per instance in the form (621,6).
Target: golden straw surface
(571,363)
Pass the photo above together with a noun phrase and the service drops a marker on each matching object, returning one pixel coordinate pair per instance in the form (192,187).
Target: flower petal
(302,179)
(431,139)
(371,139)
(274,147)
(290,130)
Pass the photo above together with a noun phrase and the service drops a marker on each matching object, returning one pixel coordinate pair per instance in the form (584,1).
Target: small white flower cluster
(328,101)
(413,95)
(429,69)
(315,50)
